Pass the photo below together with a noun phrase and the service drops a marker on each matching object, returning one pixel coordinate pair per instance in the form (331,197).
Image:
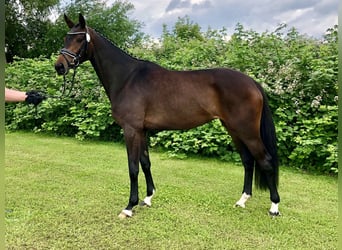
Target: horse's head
(76,46)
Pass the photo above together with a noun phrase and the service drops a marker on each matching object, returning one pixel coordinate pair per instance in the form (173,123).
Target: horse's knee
(133,171)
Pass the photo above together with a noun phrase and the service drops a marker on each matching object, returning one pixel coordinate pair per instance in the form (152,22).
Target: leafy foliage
(210,139)
(84,114)
(298,73)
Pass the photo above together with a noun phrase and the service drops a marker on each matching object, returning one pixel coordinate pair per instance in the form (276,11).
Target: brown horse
(145,96)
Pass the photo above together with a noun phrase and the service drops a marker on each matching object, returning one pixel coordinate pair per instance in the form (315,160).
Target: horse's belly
(176,120)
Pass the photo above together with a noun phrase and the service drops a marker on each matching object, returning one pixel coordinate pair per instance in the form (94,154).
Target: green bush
(210,139)
(84,113)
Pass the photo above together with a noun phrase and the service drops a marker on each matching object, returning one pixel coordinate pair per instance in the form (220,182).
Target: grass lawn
(65,194)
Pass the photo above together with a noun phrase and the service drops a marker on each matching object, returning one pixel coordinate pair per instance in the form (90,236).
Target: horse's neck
(112,65)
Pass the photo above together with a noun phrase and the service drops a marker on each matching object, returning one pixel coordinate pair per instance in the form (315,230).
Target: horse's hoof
(147,202)
(122,215)
(242,201)
(144,204)
(274,214)
(239,205)
(274,210)
(125,214)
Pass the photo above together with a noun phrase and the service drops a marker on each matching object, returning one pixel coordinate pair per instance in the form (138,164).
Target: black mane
(116,46)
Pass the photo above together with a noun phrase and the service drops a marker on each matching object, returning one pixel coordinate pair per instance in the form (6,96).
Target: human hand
(34,97)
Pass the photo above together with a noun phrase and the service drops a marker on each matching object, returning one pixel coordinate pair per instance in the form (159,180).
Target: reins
(62,95)
(65,81)
(59,97)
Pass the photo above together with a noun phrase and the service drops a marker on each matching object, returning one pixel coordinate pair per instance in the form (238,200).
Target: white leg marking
(274,211)
(242,201)
(125,213)
(148,199)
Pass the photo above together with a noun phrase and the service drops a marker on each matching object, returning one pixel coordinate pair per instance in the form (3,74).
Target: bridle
(75,57)
(71,64)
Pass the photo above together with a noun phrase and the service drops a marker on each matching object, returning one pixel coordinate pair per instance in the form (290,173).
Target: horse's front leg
(146,167)
(133,139)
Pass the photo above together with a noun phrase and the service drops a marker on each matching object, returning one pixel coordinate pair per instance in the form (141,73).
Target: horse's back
(195,83)
(216,91)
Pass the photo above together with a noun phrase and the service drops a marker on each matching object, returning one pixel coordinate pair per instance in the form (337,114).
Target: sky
(310,17)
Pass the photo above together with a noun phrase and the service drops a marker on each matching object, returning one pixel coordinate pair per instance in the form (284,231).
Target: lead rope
(65,81)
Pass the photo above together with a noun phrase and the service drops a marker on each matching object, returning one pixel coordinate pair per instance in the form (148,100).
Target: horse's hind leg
(266,172)
(248,163)
(253,154)
(146,167)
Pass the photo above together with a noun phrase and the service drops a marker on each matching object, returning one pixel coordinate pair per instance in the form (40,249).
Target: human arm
(12,95)
(30,97)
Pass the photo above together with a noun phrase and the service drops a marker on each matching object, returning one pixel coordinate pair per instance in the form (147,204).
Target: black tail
(268,136)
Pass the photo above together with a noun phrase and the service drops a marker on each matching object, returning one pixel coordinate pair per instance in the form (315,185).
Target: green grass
(65,194)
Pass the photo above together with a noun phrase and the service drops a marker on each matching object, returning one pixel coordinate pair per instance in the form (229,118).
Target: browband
(81,32)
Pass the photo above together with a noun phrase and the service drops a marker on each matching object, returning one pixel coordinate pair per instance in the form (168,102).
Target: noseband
(76,56)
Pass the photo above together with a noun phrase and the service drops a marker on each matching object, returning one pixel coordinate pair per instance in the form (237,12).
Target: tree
(31,33)
(26,23)
(185,29)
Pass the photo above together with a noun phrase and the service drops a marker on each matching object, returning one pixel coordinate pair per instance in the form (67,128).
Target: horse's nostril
(60,68)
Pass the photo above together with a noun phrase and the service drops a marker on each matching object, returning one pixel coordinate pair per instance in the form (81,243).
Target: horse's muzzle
(59,67)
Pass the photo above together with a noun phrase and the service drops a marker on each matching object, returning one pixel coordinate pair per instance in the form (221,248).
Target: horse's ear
(82,21)
(68,21)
